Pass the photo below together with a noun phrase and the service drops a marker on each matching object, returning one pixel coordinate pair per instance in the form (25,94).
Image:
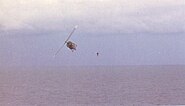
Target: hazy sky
(124,32)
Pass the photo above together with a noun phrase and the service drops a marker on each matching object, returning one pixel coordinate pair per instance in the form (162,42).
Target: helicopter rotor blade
(72,32)
(59,49)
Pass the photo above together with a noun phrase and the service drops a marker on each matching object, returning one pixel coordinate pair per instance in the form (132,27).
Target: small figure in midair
(97,54)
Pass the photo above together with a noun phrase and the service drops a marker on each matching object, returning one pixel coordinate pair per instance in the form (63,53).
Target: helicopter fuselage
(71,45)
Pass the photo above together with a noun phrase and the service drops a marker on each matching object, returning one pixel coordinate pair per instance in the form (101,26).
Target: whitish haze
(124,32)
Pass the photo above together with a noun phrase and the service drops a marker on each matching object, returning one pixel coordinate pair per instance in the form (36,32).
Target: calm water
(93,86)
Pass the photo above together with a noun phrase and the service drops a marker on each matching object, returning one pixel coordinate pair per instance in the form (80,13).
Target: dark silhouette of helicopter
(71,45)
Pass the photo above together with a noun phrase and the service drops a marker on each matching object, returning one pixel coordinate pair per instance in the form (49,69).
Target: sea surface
(93,86)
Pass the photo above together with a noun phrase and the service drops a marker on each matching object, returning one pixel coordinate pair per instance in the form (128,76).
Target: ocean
(93,86)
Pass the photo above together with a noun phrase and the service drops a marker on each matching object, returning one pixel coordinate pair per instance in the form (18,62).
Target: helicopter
(71,45)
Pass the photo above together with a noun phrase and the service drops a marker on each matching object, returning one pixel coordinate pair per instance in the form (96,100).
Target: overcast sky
(124,32)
